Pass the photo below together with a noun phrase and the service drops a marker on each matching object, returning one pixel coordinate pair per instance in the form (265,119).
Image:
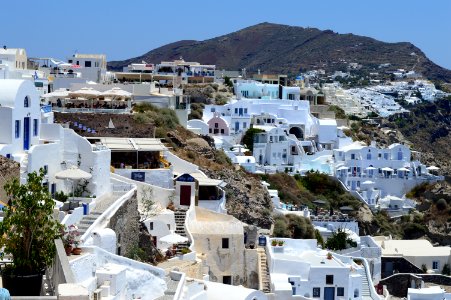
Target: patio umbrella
(59,93)
(387,169)
(117,93)
(173,238)
(346,208)
(371,168)
(368,182)
(319,202)
(433,168)
(404,169)
(342,168)
(88,93)
(73,173)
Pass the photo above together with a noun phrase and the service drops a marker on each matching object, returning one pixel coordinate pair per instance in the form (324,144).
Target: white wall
(158,177)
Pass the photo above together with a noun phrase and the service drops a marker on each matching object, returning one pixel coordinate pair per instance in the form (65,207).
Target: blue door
(26,133)
(240,111)
(237,126)
(329,293)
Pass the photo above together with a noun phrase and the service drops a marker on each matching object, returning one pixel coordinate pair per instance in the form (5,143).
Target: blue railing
(46,108)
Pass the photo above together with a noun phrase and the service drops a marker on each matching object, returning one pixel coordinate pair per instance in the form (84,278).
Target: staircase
(264,273)
(366,295)
(180,216)
(87,221)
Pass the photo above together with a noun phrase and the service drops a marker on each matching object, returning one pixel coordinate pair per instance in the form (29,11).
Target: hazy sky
(123,29)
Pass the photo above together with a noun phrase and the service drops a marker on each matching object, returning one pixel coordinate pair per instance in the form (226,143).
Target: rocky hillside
(247,199)
(290,49)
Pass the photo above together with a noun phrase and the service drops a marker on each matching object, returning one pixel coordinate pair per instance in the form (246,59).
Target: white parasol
(60,93)
(88,93)
(73,173)
(173,238)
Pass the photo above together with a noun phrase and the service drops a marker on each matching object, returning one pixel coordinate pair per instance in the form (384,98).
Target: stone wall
(251,269)
(125,223)
(8,169)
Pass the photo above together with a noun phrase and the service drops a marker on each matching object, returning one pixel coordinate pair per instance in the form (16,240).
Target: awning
(205,181)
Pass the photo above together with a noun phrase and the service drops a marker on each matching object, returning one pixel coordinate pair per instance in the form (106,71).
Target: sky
(124,29)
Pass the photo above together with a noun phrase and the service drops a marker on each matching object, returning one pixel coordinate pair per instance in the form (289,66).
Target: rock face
(247,199)
(9,169)
(125,223)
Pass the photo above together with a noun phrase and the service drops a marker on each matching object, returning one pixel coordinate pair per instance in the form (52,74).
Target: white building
(417,252)
(299,269)
(429,293)
(373,173)
(34,144)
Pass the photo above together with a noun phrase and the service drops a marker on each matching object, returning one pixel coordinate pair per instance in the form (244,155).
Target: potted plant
(280,243)
(329,255)
(71,239)
(27,233)
(76,237)
(274,243)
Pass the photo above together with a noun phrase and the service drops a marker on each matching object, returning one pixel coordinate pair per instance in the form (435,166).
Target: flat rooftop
(130,144)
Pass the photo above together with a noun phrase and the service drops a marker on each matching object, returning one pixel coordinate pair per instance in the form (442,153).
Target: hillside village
(277,187)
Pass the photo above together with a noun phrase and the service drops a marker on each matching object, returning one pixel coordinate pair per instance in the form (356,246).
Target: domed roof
(12,90)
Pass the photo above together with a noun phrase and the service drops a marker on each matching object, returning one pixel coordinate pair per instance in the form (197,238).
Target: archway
(297,132)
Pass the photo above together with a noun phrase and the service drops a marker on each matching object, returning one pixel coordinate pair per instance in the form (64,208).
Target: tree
(28,229)
(446,270)
(319,238)
(147,202)
(228,82)
(340,240)
(248,138)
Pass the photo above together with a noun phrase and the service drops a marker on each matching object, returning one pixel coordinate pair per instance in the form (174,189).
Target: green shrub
(446,270)
(441,204)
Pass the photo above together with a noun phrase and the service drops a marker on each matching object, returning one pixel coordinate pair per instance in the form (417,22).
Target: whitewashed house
(373,173)
(298,269)
(34,144)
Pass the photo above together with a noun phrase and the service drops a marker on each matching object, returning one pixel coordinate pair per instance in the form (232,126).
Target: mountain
(275,48)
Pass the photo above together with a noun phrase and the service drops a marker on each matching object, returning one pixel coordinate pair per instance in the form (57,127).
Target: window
(169,226)
(151,225)
(216,125)
(46,169)
(222,131)
(368,156)
(87,64)
(227,279)
(316,292)
(69,61)
(225,243)
(244,125)
(352,156)
(26,102)
(35,127)
(386,156)
(356,293)
(329,279)
(245,110)
(435,265)
(340,291)
(236,110)
(17,129)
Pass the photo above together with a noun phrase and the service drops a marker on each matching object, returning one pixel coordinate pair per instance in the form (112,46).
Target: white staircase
(366,295)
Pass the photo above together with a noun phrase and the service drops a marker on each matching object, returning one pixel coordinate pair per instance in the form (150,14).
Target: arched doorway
(297,132)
